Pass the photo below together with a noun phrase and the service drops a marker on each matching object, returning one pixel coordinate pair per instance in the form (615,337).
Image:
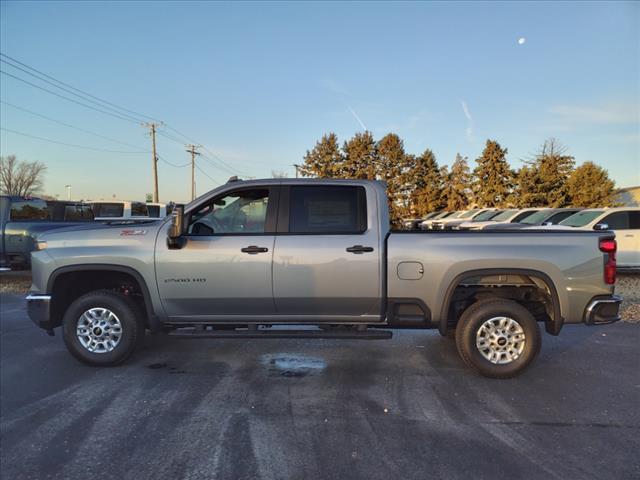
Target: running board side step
(336,334)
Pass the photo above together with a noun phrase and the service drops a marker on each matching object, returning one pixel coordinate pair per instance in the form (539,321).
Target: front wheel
(102,328)
(498,338)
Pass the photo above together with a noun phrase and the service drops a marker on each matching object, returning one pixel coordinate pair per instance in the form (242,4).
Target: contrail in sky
(357,117)
(469,129)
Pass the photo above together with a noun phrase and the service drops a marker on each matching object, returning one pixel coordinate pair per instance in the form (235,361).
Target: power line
(66,144)
(104,104)
(173,164)
(67,98)
(71,91)
(68,125)
(222,162)
(75,88)
(207,175)
(166,135)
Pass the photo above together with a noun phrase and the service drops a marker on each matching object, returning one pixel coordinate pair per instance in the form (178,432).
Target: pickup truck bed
(249,255)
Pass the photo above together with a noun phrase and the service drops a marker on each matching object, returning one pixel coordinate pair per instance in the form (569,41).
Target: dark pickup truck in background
(23,218)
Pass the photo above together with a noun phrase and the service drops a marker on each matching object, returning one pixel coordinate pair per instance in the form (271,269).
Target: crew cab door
(327,256)
(626,225)
(223,270)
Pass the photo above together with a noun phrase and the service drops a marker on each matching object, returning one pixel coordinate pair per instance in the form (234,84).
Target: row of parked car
(23,218)
(624,221)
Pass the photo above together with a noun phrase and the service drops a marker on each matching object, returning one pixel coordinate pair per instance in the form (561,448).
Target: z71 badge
(129,232)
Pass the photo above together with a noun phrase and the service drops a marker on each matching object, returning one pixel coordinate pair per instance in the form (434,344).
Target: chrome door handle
(357,249)
(253,249)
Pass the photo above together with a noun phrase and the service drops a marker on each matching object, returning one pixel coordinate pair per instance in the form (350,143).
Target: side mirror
(601,226)
(177,228)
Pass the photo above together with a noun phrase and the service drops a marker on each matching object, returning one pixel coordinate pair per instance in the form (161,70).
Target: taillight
(609,247)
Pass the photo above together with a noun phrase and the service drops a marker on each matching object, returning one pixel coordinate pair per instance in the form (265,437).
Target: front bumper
(603,310)
(38,308)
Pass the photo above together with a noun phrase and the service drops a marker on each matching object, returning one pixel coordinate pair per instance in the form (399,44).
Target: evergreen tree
(589,186)
(525,188)
(392,168)
(457,194)
(325,159)
(360,157)
(551,169)
(493,179)
(428,180)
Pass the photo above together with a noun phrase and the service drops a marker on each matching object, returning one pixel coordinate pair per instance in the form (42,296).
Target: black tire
(127,313)
(471,322)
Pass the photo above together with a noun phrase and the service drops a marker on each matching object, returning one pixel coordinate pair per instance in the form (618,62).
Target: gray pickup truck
(316,258)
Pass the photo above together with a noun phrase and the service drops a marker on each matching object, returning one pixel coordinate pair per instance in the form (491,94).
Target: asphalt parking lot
(291,409)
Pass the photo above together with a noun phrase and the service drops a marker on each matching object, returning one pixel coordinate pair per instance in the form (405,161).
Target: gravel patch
(628,285)
(17,282)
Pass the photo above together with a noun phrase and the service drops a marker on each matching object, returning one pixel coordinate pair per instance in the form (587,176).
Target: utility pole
(192,150)
(152,127)
(68,187)
(297,167)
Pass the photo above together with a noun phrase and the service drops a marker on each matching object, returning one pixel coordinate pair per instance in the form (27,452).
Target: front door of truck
(327,260)
(626,225)
(223,270)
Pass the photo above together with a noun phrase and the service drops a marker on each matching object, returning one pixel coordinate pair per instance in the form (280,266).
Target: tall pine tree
(360,157)
(551,169)
(589,186)
(325,159)
(493,178)
(428,181)
(392,163)
(457,192)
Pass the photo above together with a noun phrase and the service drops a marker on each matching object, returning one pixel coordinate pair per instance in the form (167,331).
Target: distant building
(629,197)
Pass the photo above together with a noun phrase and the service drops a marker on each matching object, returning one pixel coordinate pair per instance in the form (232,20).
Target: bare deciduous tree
(279,174)
(21,178)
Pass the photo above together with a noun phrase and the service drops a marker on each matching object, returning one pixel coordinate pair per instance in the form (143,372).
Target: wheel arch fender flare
(553,327)
(154,321)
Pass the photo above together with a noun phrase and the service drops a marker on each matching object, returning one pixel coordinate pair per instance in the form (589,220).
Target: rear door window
(29,210)
(108,210)
(154,210)
(327,210)
(78,213)
(139,209)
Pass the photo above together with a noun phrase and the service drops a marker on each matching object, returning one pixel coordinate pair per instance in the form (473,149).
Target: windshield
(581,219)
(468,213)
(489,214)
(504,216)
(536,218)
(443,215)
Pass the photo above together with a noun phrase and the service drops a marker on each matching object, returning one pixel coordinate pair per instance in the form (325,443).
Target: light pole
(68,187)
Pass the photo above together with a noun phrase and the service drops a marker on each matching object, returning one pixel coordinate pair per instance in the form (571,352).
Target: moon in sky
(521,41)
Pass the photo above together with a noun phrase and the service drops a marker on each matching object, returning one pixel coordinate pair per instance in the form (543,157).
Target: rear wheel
(498,338)
(102,328)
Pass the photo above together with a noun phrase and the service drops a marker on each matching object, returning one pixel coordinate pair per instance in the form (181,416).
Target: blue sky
(259,83)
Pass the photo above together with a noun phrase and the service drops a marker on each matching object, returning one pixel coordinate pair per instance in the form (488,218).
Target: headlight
(41,245)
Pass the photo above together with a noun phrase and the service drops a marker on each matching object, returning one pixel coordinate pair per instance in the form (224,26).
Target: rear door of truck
(326,264)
